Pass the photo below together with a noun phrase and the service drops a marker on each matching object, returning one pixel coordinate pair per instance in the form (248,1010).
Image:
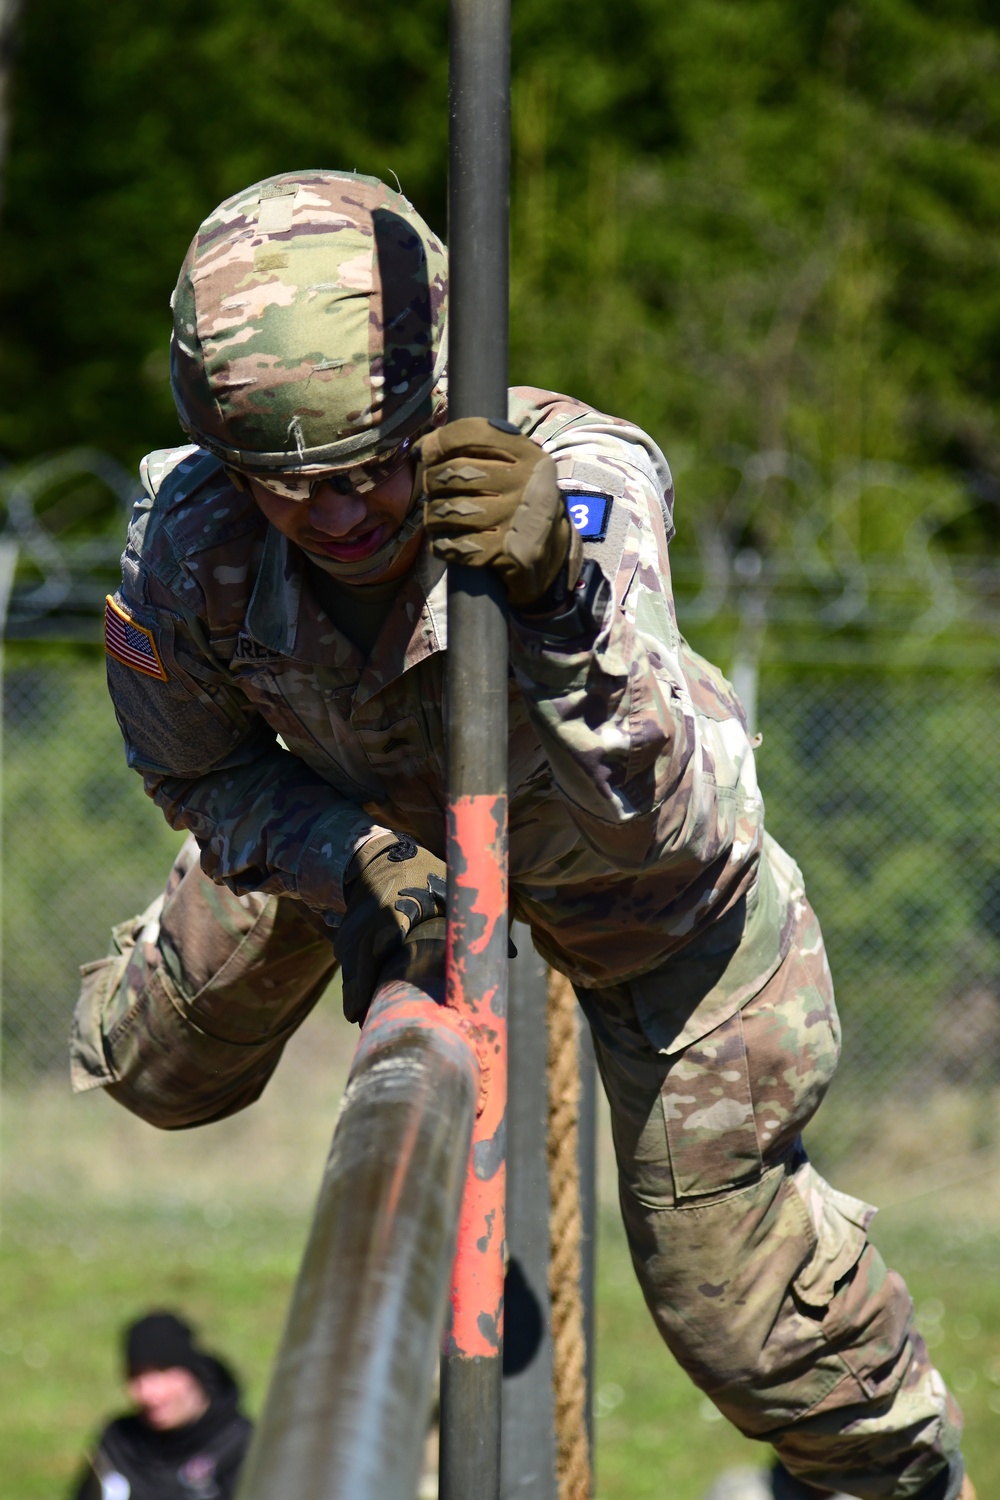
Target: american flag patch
(129,643)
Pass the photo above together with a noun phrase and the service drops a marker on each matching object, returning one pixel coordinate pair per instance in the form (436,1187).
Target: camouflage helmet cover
(309,324)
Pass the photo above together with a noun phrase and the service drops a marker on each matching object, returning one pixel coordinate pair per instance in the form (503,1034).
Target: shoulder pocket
(173,721)
(598,508)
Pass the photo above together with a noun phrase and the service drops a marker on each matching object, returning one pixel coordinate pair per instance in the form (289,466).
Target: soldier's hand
(493,502)
(395,902)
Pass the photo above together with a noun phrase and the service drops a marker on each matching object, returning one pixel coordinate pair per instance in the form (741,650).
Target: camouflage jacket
(636,825)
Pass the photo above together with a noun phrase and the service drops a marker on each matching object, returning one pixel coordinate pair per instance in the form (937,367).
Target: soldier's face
(347,527)
(165,1399)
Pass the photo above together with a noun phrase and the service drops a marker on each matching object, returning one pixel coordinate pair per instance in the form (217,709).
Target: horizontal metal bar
(348,1407)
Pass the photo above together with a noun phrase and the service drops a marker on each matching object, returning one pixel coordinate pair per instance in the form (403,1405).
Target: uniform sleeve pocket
(180,715)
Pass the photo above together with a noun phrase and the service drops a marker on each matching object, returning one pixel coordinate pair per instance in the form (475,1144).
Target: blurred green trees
(749,224)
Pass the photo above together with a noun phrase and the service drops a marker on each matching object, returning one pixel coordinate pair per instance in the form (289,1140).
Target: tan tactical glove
(394,888)
(493,502)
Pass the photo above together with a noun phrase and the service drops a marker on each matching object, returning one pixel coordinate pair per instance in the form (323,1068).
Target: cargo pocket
(839,1224)
(88,1063)
(709,1117)
(187,1022)
(859,1307)
(265,985)
(171,1073)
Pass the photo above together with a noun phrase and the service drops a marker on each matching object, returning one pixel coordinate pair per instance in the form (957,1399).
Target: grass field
(105,1218)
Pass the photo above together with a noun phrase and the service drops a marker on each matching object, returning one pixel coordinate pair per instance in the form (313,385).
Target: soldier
(276,661)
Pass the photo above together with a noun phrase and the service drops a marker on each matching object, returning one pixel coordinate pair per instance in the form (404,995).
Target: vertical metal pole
(529,1440)
(479,169)
(10,12)
(587,1157)
(478,207)
(8,567)
(745,671)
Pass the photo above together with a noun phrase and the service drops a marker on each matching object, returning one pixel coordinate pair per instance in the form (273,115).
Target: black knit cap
(162,1341)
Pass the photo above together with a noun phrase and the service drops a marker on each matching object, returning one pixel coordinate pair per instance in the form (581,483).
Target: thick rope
(573,1468)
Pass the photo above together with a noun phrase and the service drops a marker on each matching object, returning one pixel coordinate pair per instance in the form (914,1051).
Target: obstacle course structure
(410,1232)
(349,1399)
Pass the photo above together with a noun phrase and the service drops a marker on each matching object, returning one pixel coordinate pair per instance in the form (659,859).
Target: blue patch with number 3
(589,513)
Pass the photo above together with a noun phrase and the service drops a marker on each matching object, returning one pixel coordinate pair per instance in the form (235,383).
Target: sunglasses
(302,485)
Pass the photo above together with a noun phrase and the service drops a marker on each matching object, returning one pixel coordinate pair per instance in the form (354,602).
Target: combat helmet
(309,325)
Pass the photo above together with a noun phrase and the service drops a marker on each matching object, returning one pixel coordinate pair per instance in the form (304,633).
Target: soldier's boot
(785,1486)
(766,1484)
(778,1484)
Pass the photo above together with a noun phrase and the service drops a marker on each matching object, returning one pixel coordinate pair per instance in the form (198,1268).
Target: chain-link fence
(879,783)
(83,847)
(882,788)
(878,711)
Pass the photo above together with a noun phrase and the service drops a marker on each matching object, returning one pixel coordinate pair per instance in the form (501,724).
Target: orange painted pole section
(479,831)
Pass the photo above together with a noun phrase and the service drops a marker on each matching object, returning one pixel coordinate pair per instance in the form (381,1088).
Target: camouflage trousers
(759,1275)
(186,1020)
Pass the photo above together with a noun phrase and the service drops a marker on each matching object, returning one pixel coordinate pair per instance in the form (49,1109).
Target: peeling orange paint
(477,928)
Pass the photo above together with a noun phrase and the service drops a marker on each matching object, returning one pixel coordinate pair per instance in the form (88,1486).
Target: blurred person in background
(185,1438)
(276,659)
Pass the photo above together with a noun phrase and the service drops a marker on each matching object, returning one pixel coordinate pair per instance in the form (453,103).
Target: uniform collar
(284,616)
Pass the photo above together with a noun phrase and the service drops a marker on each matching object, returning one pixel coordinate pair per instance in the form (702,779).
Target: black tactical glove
(395,901)
(493,502)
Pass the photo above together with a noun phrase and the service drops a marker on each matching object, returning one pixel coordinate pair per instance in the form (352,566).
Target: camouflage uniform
(638,857)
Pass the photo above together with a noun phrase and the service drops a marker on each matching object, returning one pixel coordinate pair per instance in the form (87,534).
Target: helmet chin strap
(370,569)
